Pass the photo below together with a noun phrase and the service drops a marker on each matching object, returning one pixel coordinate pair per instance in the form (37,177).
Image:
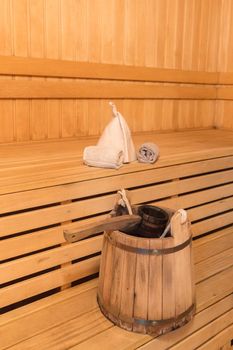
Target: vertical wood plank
(69,10)
(155,283)
(6,107)
(21,35)
(52,50)
(141,287)
(39,120)
(168,281)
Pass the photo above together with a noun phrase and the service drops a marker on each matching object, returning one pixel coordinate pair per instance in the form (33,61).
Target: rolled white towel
(103,157)
(148,153)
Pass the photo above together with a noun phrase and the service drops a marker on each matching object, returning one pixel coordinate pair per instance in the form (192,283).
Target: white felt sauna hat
(117,135)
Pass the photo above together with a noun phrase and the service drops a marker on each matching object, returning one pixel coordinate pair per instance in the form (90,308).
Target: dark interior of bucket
(154,222)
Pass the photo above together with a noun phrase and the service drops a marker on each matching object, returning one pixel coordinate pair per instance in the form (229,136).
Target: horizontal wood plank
(36,89)
(225,93)
(206,333)
(47,216)
(10,65)
(38,197)
(213,223)
(48,281)
(45,260)
(115,337)
(216,342)
(225,78)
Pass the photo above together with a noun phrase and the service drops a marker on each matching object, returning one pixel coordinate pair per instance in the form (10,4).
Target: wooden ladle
(123,222)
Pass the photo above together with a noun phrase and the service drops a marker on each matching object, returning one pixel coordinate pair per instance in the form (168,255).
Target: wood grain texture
(224,108)
(36,200)
(155,33)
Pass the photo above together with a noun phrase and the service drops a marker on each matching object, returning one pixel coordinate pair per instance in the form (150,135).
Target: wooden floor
(72,320)
(42,164)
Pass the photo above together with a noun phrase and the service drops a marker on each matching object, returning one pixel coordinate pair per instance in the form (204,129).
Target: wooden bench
(48,294)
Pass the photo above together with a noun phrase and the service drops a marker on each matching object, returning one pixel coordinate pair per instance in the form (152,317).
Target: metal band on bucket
(145,251)
(143,322)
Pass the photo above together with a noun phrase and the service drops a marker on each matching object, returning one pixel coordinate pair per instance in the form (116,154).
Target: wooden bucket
(146,285)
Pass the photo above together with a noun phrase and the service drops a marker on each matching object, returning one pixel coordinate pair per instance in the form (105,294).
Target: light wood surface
(105,90)
(45,185)
(22,66)
(164,83)
(156,34)
(75,307)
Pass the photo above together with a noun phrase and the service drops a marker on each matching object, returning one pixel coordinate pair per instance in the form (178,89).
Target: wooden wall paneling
(101,110)
(200,34)
(129,54)
(94,38)
(52,50)
(188,35)
(20,38)
(168,122)
(39,117)
(213,41)
(176,34)
(186,112)
(170,23)
(224,109)
(165,48)
(138,112)
(229,63)
(6,107)
(81,54)
(69,10)
(207,113)
(179,47)
(148,119)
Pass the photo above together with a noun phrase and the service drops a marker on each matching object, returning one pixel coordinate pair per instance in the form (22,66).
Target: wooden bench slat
(33,198)
(218,286)
(45,260)
(48,216)
(115,337)
(210,209)
(215,263)
(213,223)
(75,306)
(50,237)
(205,145)
(217,242)
(34,181)
(36,285)
(49,280)
(10,65)
(218,340)
(205,333)
(38,240)
(180,186)
(88,324)
(33,319)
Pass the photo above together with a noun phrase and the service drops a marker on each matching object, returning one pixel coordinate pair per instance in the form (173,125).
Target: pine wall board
(224,109)
(182,34)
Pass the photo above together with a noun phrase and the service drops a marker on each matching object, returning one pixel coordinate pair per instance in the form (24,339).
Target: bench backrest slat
(38,67)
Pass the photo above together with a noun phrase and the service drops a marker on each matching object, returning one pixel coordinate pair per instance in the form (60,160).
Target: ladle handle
(122,222)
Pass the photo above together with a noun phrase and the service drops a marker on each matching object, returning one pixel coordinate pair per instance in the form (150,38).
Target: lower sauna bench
(48,294)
